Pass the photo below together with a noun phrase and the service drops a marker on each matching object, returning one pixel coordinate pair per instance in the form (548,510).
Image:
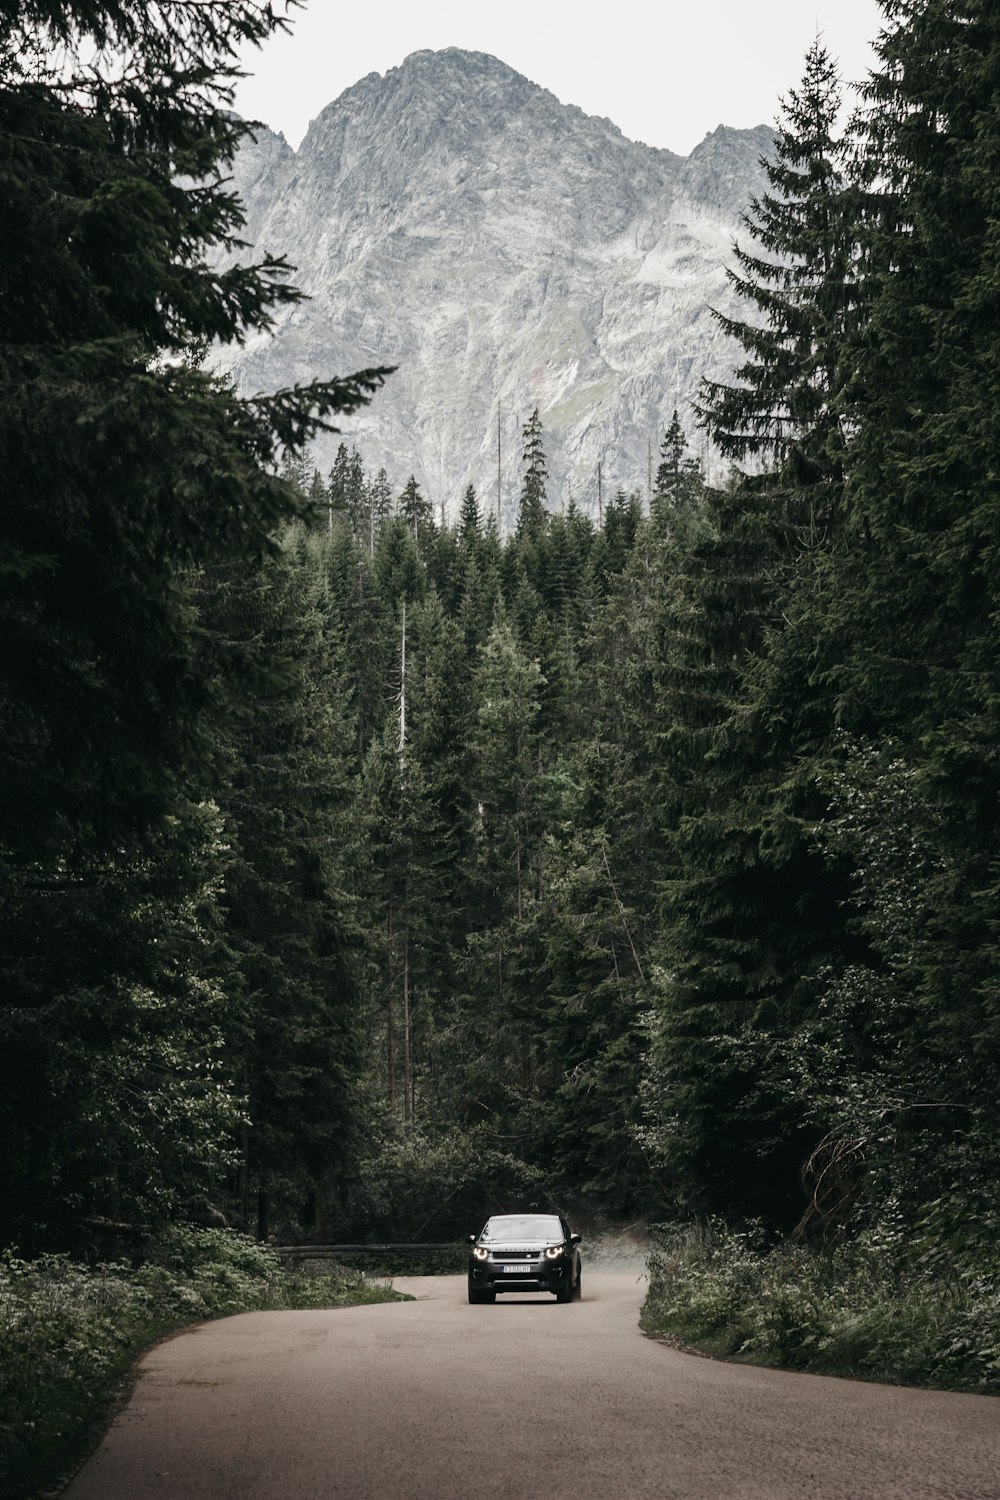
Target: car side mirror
(575,1239)
(472,1239)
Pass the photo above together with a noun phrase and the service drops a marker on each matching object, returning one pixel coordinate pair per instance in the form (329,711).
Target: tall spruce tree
(131,473)
(337,487)
(909,637)
(414,509)
(678,478)
(407,852)
(124,460)
(531,513)
(119,1098)
(379,507)
(469,519)
(290,922)
(752,914)
(786,409)
(507,745)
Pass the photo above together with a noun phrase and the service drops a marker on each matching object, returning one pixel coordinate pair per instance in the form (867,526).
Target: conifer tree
(740,978)
(614,546)
(369,624)
(508,691)
(480,590)
(379,507)
(908,639)
(586,979)
(297,473)
(132,477)
(469,520)
(346,490)
(357,498)
(119,1100)
(289,919)
(531,513)
(124,460)
(398,566)
(408,849)
(319,501)
(678,478)
(440,718)
(414,509)
(786,409)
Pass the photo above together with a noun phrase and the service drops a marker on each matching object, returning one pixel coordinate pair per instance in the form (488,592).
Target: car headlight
(554,1252)
(480,1252)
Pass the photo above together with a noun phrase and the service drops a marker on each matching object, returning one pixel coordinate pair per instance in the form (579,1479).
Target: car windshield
(523,1227)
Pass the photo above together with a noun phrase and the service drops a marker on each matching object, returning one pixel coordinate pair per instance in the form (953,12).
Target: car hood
(518,1244)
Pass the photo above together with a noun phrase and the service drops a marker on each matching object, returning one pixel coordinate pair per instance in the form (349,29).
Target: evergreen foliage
(752,913)
(131,476)
(678,478)
(403,868)
(117,1098)
(290,925)
(786,410)
(908,641)
(469,524)
(414,510)
(531,507)
(124,461)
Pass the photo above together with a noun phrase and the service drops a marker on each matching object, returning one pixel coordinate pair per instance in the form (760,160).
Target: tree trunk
(244,1177)
(520,912)
(407,1058)
(390,1029)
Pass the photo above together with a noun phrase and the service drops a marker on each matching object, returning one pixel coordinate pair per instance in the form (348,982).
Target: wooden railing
(388,1258)
(330,1252)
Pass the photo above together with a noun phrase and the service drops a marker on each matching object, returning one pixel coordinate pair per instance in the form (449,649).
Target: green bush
(432,1185)
(870,1309)
(69,1333)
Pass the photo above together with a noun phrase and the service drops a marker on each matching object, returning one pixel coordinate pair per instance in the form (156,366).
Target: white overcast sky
(665,71)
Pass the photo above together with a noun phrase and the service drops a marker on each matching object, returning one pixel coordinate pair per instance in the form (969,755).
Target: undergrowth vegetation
(875,1308)
(69,1333)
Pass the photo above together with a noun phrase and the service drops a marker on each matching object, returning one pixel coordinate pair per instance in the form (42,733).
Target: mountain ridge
(506,251)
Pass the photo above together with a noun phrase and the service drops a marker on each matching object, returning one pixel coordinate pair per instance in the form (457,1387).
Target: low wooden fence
(394,1258)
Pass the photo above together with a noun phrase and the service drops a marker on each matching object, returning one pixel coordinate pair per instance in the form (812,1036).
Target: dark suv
(524,1253)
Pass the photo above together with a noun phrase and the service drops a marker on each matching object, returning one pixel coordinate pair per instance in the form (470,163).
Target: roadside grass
(857,1310)
(69,1335)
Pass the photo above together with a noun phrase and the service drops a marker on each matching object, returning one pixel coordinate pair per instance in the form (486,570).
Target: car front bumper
(543,1276)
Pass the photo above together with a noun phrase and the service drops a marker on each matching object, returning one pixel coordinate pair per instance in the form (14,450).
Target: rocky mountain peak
(506,251)
(723,171)
(458,130)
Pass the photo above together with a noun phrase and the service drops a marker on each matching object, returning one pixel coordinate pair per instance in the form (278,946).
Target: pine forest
(364,870)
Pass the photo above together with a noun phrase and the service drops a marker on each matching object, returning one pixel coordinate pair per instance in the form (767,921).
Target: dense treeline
(145,617)
(362,870)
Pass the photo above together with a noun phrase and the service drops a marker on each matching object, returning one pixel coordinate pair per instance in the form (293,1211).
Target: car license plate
(517,1270)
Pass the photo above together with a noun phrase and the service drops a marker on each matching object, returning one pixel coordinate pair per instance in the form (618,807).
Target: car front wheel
(476,1294)
(564,1293)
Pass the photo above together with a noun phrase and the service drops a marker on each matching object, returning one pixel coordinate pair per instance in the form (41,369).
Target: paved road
(524,1400)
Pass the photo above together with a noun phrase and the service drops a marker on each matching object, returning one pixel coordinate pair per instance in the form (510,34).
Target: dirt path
(524,1400)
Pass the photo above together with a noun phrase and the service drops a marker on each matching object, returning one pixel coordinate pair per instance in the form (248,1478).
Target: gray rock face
(505,251)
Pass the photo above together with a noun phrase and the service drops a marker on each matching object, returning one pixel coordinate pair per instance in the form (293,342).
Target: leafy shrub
(68,1334)
(871,1308)
(433,1185)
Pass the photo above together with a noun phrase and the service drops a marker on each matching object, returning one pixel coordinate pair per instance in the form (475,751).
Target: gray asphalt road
(524,1400)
